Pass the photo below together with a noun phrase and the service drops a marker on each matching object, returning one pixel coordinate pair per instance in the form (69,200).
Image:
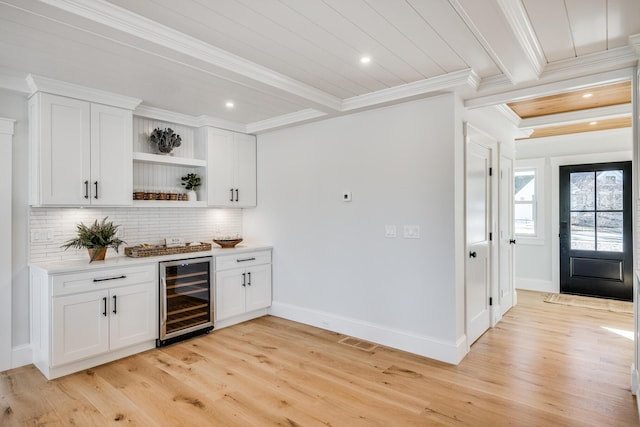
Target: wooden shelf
(167,160)
(168,204)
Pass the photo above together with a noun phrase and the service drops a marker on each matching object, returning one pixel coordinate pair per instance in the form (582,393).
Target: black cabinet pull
(244,279)
(109,278)
(86,189)
(245,259)
(231,190)
(115,304)
(249,274)
(473,254)
(237,192)
(512,241)
(96,184)
(104,301)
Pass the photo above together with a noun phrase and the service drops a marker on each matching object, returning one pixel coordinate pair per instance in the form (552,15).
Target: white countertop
(68,266)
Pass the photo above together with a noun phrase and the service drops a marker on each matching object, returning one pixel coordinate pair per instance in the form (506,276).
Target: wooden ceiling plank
(588,21)
(602,96)
(551,25)
(623,122)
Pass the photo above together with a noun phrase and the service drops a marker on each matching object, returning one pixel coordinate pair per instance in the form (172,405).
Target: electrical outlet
(411,231)
(390,231)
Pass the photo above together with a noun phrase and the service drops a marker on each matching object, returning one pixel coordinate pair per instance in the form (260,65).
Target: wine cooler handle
(115,304)
(164,301)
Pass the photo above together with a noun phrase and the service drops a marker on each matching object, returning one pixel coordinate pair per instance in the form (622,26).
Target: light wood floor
(544,365)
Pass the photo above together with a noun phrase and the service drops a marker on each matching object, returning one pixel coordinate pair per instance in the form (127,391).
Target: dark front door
(596,246)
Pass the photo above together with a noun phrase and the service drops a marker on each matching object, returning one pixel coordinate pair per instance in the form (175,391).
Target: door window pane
(582,191)
(583,231)
(609,231)
(609,184)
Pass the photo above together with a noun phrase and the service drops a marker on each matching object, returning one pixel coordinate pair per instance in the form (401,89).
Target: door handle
(115,304)
(86,189)
(237,192)
(96,184)
(104,301)
(244,279)
(473,254)
(512,241)
(231,190)
(249,274)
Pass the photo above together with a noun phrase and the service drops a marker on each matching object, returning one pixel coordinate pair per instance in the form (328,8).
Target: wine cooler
(186,302)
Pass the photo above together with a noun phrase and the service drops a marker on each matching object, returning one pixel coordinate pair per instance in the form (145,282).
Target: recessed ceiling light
(365,59)
(587,95)
(230,104)
(593,123)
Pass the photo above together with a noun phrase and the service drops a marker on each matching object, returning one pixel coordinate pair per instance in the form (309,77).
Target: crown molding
(509,114)
(13,81)
(448,81)
(133,24)
(284,120)
(600,113)
(634,43)
(57,87)
(608,77)
(187,120)
(519,22)
(6,126)
(613,59)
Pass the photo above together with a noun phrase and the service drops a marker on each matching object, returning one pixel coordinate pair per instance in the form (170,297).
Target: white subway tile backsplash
(138,225)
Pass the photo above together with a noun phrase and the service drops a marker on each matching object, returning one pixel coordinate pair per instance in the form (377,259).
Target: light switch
(390,231)
(411,231)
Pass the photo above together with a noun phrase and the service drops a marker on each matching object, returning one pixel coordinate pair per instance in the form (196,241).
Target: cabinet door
(111,156)
(133,315)
(80,326)
(221,168)
(245,173)
(230,294)
(64,151)
(258,288)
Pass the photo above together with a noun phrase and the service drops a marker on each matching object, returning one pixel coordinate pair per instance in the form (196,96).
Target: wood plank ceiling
(284,62)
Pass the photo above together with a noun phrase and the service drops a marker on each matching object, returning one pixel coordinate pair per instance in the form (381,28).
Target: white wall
(14,106)
(333,267)
(535,262)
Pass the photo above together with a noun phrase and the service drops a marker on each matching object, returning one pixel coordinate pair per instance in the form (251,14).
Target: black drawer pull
(246,259)
(109,278)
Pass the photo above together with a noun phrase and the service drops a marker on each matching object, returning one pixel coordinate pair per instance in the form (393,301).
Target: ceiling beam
(591,114)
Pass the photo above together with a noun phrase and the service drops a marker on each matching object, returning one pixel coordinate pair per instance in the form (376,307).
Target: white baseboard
(536,285)
(21,356)
(449,352)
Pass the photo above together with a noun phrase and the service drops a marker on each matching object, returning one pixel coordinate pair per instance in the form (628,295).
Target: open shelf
(168,204)
(160,159)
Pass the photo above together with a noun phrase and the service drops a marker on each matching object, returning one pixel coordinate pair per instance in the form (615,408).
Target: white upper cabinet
(231,168)
(80,151)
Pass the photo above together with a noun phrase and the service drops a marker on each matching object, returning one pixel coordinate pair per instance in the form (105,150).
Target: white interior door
(478,220)
(507,237)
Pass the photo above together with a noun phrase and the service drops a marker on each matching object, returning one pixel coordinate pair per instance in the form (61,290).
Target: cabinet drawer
(101,279)
(246,259)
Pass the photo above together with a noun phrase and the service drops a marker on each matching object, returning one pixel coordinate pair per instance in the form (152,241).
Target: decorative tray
(146,250)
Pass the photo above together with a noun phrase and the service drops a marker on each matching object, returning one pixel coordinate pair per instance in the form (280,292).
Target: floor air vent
(358,343)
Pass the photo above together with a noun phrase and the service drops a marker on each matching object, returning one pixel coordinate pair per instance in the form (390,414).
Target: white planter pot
(192,196)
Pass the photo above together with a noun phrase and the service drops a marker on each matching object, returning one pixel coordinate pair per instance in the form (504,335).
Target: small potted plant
(191,182)
(165,140)
(96,238)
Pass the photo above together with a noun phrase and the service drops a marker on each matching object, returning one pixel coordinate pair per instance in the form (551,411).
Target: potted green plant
(96,238)
(165,140)
(191,182)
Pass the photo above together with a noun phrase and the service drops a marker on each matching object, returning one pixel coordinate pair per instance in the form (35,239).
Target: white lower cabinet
(243,286)
(88,318)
